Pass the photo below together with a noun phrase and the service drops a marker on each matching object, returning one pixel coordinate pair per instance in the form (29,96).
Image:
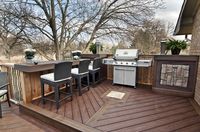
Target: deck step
(55,120)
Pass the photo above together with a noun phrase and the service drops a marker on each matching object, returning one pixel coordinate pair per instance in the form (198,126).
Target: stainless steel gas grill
(125,62)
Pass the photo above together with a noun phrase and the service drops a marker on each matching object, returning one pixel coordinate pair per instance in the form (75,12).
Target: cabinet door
(130,76)
(118,75)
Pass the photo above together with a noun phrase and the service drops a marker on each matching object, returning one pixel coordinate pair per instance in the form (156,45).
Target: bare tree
(148,37)
(11,35)
(70,21)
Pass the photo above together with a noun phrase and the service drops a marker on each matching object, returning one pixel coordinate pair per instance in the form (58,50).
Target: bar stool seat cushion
(91,68)
(2,92)
(76,71)
(50,77)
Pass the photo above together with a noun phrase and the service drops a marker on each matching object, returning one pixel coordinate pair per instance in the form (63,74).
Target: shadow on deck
(139,110)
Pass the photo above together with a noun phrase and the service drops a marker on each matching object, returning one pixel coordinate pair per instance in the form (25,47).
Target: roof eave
(186,17)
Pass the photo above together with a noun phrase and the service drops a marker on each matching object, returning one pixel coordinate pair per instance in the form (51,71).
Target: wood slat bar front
(14,81)
(30,78)
(25,79)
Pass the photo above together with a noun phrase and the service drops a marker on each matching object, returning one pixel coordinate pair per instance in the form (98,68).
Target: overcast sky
(171,11)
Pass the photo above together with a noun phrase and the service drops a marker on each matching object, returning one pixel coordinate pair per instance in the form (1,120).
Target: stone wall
(195,50)
(174,75)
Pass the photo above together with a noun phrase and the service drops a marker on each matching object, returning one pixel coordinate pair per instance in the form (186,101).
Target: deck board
(83,109)
(190,128)
(76,110)
(93,101)
(135,114)
(88,105)
(143,110)
(68,110)
(13,121)
(176,125)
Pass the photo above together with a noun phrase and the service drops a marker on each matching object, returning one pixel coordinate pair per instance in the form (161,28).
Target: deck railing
(14,81)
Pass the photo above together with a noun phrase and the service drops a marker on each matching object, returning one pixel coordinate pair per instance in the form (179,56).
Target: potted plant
(29,54)
(176,46)
(93,48)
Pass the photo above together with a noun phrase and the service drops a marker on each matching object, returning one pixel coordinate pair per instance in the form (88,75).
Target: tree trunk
(58,52)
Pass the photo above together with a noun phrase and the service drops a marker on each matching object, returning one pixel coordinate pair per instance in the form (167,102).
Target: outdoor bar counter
(30,78)
(40,66)
(25,84)
(24,78)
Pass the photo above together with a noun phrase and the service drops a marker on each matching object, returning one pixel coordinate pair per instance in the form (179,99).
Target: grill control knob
(132,63)
(127,63)
(121,63)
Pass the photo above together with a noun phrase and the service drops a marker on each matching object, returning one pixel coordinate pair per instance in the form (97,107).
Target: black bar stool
(94,69)
(81,72)
(61,75)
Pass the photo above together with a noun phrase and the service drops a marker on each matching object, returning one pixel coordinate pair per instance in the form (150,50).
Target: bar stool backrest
(83,66)
(62,70)
(97,63)
(3,78)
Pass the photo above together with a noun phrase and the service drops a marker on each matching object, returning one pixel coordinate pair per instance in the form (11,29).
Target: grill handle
(124,69)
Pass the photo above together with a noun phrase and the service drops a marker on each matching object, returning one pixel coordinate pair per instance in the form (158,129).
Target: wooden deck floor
(140,110)
(13,121)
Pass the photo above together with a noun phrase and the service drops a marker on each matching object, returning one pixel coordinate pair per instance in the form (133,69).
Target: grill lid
(126,54)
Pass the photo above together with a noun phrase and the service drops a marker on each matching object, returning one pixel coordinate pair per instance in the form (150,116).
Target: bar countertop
(41,66)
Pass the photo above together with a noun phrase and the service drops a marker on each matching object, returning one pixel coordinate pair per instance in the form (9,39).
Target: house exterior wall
(195,50)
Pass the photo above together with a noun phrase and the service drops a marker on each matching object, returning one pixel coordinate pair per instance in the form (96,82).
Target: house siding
(195,50)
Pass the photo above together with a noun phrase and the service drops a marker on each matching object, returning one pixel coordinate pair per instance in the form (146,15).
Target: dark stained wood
(138,106)
(136,113)
(143,110)
(164,119)
(83,109)
(97,97)
(88,105)
(14,121)
(93,101)
(191,128)
(176,125)
(175,92)
(48,65)
(68,110)
(109,72)
(41,66)
(92,56)
(195,105)
(190,60)
(55,120)
(76,114)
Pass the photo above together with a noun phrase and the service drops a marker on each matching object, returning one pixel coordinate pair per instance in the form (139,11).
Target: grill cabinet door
(130,76)
(118,77)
